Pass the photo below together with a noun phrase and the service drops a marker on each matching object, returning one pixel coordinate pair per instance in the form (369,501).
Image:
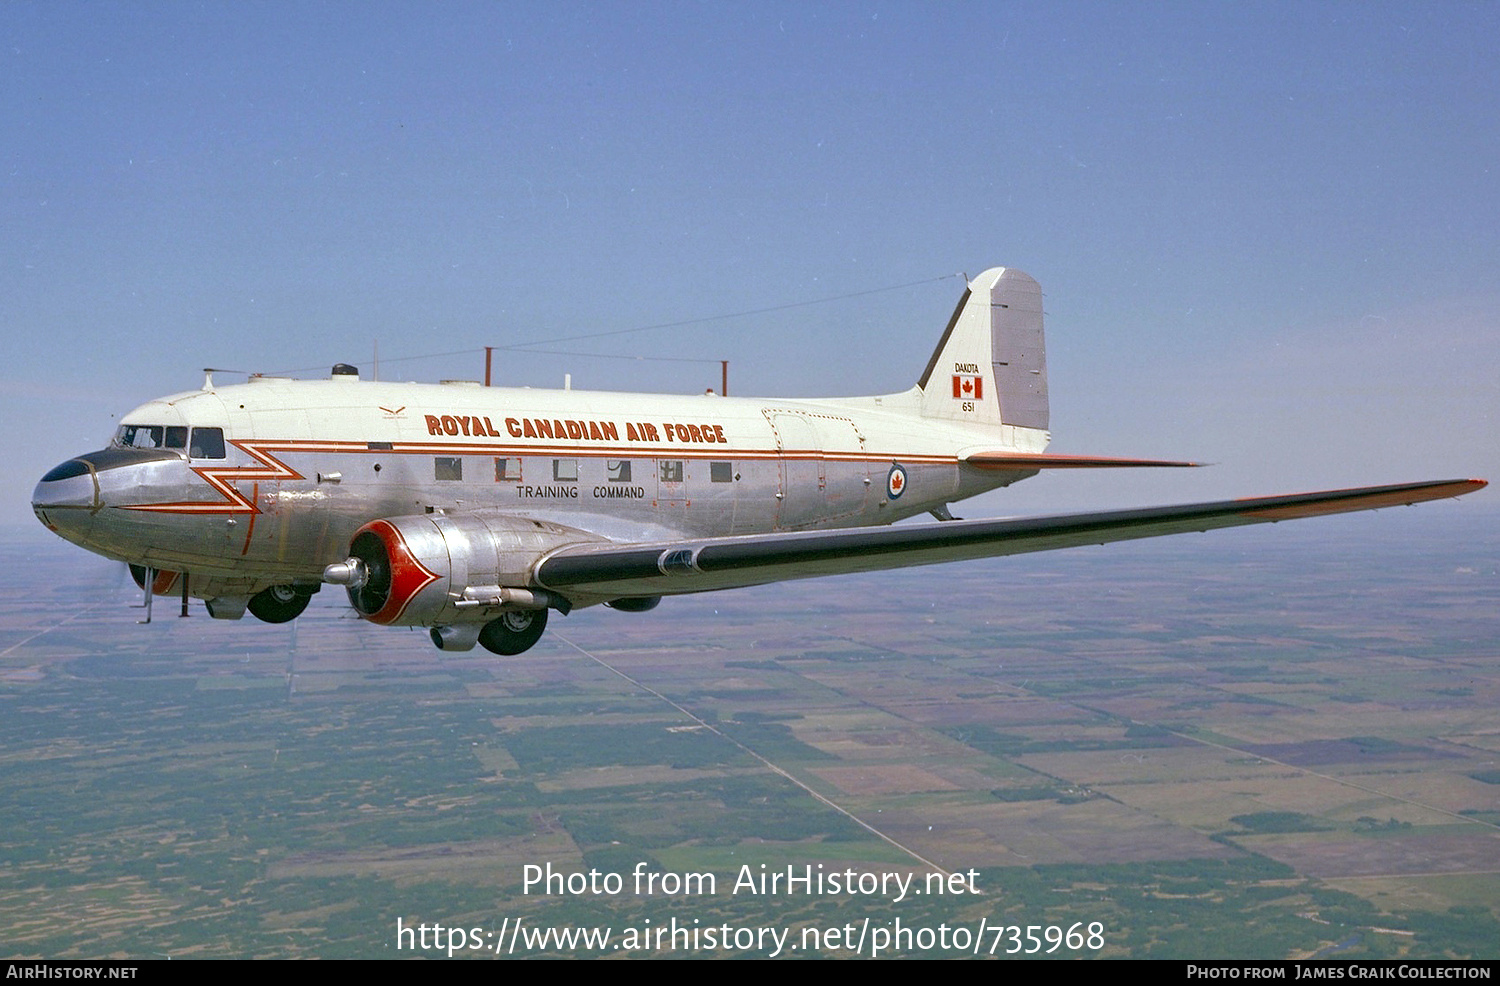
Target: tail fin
(991,365)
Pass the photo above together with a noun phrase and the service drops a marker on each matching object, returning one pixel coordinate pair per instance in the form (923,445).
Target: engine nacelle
(634,604)
(442,570)
(459,638)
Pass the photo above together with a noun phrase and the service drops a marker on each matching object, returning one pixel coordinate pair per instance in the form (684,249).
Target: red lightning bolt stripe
(222,479)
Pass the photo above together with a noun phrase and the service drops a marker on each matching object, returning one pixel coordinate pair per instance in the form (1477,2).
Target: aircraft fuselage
(304,464)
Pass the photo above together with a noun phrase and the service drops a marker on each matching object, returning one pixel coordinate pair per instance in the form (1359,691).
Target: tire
(513,632)
(278,604)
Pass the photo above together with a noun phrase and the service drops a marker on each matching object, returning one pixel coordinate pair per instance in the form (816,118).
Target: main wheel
(514,631)
(278,604)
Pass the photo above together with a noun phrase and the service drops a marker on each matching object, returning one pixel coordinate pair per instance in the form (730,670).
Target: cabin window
(721,472)
(176,436)
(507,470)
(619,470)
(208,443)
(565,470)
(670,471)
(448,467)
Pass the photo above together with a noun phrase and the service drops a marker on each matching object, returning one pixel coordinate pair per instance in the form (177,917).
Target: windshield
(140,436)
(205,443)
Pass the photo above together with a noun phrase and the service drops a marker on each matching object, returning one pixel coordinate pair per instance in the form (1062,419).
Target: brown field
(1421,854)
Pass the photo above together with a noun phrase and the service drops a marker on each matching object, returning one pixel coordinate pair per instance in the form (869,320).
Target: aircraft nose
(66,495)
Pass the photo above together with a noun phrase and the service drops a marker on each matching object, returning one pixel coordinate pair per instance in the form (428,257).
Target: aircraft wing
(676,567)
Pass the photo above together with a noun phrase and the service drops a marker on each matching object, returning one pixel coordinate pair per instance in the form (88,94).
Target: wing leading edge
(703,565)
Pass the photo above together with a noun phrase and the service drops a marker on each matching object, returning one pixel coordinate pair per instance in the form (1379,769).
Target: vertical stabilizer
(991,365)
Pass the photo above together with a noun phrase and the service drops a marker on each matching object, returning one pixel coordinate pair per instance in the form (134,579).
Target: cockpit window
(204,443)
(140,436)
(208,443)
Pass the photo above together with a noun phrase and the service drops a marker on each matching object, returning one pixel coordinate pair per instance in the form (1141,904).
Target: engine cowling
(442,570)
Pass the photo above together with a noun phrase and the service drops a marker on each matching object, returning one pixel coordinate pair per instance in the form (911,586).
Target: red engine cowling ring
(394,576)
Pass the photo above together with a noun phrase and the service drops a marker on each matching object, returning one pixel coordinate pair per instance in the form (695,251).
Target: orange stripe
(250,528)
(222,477)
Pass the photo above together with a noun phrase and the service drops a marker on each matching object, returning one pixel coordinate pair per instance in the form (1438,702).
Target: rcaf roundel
(895,482)
(968,387)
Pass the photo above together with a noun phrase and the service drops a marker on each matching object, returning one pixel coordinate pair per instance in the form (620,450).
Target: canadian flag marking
(968,387)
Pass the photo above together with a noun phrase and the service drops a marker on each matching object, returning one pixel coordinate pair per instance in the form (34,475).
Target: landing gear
(279,603)
(514,631)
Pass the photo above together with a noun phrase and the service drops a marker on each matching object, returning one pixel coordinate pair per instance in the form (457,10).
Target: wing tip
(1363,498)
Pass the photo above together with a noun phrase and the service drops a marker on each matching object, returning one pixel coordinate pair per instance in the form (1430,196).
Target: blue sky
(1267,232)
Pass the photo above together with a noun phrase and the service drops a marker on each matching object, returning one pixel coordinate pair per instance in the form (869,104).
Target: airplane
(475,511)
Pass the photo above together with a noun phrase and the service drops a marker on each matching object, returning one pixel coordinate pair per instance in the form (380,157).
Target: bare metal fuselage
(309,462)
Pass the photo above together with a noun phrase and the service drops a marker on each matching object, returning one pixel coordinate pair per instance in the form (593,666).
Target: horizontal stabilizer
(700,565)
(1049,460)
